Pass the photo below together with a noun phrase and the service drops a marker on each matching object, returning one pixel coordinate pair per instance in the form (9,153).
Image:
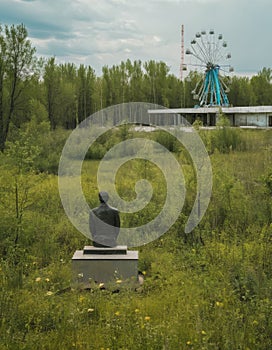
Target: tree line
(65,94)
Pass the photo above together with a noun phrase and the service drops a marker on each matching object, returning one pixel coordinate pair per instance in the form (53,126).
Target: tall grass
(213,293)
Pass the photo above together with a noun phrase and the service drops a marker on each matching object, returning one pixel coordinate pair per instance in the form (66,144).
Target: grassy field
(210,289)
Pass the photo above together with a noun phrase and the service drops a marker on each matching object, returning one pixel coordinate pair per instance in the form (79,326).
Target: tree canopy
(70,93)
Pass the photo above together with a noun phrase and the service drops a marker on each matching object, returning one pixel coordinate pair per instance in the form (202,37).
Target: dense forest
(65,94)
(206,290)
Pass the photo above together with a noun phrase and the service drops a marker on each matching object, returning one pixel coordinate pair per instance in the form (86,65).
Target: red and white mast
(182,52)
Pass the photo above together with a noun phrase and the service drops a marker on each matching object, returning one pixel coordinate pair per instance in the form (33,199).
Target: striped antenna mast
(182,52)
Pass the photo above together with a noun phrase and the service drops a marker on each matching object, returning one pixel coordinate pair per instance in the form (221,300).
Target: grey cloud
(108,31)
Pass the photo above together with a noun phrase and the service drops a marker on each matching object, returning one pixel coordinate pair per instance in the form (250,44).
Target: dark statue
(104,223)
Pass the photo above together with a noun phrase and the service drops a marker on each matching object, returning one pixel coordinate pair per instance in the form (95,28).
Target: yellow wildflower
(90,310)
(147,318)
(38,279)
(49,293)
(219,304)
(119,281)
(117,313)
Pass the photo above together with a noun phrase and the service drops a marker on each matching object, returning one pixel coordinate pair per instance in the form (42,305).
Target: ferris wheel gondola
(209,55)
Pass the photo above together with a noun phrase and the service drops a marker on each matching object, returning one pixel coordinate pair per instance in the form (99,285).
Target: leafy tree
(67,108)
(241,92)
(22,154)
(107,85)
(155,78)
(99,94)
(189,85)
(174,91)
(135,79)
(85,90)
(52,86)
(116,79)
(18,64)
(2,71)
(262,87)
(225,138)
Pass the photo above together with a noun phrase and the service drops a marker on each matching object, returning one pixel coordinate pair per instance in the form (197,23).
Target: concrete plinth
(104,265)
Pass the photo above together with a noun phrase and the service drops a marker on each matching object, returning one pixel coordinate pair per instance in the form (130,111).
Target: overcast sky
(105,32)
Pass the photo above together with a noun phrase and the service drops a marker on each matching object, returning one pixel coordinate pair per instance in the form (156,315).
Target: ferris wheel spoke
(199,58)
(223,84)
(217,50)
(202,97)
(196,65)
(211,43)
(206,48)
(204,45)
(204,53)
(226,68)
(219,56)
(196,55)
(197,85)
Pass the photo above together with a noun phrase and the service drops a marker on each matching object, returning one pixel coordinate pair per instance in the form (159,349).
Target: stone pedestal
(104,265)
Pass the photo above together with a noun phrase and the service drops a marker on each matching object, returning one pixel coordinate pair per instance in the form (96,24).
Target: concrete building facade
(252,116)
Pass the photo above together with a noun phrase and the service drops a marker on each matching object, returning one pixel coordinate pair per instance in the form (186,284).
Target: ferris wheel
(208,53)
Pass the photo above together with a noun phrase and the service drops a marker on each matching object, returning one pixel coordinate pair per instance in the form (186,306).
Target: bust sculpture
(104,222)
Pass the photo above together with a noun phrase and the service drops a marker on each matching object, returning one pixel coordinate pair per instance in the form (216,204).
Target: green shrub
(213,295)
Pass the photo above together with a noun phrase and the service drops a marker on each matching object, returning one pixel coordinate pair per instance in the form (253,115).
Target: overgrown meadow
(210,289)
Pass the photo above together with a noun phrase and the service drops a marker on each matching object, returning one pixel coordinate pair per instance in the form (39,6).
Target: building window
(270,120)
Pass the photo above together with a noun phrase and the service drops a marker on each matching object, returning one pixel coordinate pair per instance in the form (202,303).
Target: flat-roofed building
(251,116)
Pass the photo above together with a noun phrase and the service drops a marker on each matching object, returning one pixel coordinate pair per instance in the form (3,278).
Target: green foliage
(208,290)
(104,143)
(261,85)
(225,138)
(66,94)
(167,140)
(222,121)
(267,179)
(34,146)
(18,67)
(241,92)
(197,124)
(52,145)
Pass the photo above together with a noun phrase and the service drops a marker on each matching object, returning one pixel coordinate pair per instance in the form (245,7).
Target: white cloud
(119,2)
(156,39)
(101,32)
